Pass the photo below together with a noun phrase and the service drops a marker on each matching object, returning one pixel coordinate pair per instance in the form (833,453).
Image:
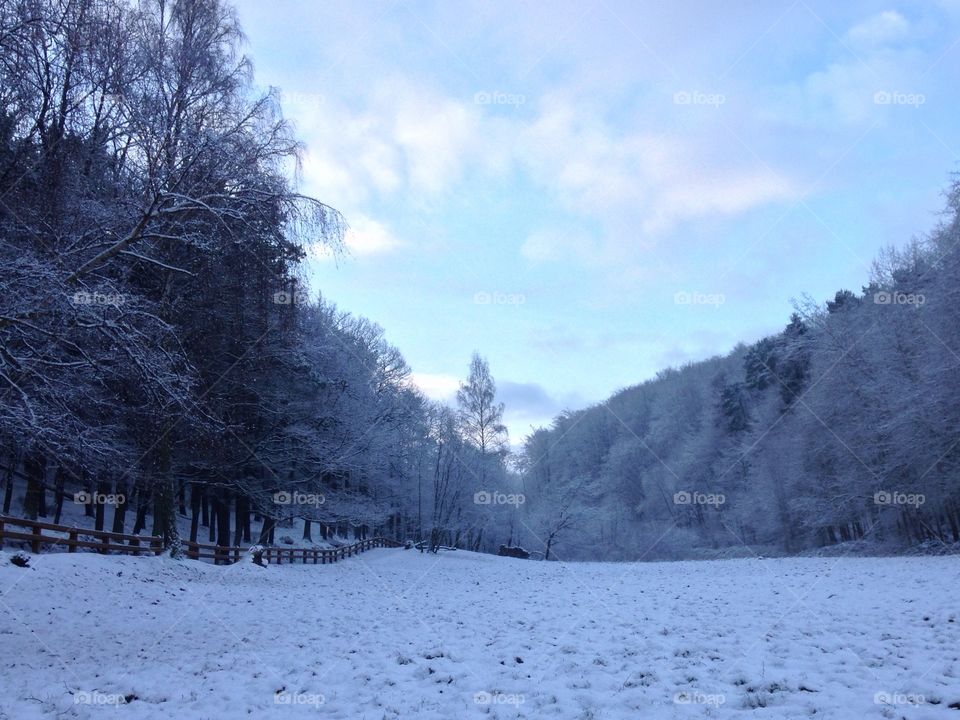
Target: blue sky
(587,192)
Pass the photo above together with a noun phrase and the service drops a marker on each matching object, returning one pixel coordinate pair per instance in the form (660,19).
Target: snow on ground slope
(398,634)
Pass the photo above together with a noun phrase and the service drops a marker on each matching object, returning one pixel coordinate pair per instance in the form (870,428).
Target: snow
(400,634)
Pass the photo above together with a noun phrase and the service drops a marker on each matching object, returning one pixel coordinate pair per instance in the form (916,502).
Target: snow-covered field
(397,634)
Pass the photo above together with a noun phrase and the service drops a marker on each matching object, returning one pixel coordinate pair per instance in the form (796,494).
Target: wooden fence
(278,555)
(73,537)
(107,542)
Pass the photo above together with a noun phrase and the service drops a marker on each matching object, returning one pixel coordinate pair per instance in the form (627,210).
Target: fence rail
(278,555)
(74,537)
(106,542)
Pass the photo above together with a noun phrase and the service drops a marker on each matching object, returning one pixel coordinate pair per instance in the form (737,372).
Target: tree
(480,415)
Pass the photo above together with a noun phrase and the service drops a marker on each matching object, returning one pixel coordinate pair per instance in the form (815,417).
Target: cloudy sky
(587,192)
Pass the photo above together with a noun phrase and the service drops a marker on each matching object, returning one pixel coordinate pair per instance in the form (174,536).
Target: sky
(589,192)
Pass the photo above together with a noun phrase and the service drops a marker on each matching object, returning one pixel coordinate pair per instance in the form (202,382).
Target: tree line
(158,343)
(843,427)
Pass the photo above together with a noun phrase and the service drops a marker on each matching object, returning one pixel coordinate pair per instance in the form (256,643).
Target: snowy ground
(397,634)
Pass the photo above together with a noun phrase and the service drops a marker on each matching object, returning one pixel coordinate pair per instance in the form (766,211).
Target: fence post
(136,543)
(1,532)
(35,543)
(72,541)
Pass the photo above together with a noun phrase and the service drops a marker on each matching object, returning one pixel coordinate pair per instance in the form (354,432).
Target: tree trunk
(120,509)
(196,494)
(141,520)
(35,466)
(266,530)
(306,530)
(214,504)
(11,472)
(88,490)
(8,490)
(58,484)
(103,489)
(241,521)
(223,521)
(167,507)
(182,498)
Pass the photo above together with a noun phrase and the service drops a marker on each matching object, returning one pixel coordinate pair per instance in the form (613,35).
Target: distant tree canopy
(844,426)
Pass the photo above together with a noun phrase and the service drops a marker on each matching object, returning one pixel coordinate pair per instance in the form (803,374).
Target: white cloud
(881,29)
(640,185)
(440,388)
(874,60)
(719,194)
(401,138)
(365,237)
(435,135)
(412,139)
(369,237)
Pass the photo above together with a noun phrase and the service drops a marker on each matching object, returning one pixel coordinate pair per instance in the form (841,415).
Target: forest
(843,428)
(159,345)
